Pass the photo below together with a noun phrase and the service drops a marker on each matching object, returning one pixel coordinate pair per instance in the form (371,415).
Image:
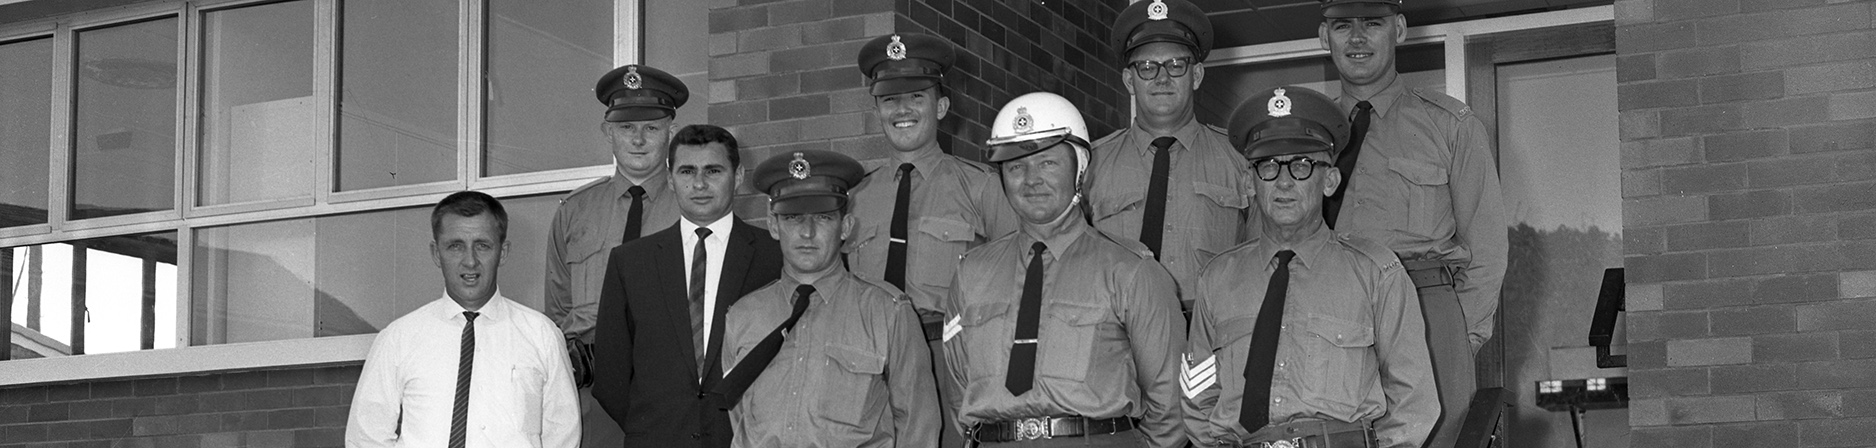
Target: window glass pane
(341,275)
(124,298)
(25,134)
(1226,86)
(675,31)
(257,103)
(542,60)
(397,93)
(124,150)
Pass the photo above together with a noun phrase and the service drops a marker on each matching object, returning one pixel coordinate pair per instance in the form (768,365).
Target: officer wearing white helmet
(1060,335)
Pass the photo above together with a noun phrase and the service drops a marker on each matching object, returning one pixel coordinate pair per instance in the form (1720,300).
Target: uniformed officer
(1061,334)
(919,210)
(1167,180)
(1421,180)
(634,201)
(1304,338)
(823,358)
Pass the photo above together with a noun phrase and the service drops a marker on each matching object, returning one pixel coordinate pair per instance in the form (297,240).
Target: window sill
(185,361)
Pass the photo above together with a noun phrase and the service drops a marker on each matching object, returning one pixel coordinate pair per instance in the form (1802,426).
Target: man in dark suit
(660,328)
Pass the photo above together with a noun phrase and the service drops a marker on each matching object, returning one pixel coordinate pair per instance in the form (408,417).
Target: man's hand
(582,354)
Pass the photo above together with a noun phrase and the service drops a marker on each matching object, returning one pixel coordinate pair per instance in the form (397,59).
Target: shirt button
(1279,400)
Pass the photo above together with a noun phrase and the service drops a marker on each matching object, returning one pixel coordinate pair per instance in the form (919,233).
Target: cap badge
(1279,105)
(632,80)
(1156,11)
(896,49)
(799,167)
(1023,121)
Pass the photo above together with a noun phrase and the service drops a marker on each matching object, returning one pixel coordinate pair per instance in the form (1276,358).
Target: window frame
(188,214)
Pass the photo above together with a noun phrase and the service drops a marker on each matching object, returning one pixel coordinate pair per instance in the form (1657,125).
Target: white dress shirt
(715,245)
(520,395)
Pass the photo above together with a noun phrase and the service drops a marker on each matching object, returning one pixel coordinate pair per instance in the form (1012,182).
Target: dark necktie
(1346,162)
(1153,225)
(699,267)
(895,252)
(1263,358)
(1022,369)
(634,221)
(459,417)
(738,380)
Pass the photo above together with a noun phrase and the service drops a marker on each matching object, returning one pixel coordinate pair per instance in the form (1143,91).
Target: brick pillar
(1748,186)
(782,73)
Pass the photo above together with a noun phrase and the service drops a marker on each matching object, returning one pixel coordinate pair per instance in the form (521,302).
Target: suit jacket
(645,372)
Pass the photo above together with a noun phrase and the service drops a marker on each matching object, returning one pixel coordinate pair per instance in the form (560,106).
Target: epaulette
(1219,130)
(1110,137)
(980,167)
(897,295)
(1138,248)
(1382,256)
(582,188)
(1443,101)
(872,165)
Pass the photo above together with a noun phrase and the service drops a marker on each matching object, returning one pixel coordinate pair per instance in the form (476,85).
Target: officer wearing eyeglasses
(1167,180)
(1300,337)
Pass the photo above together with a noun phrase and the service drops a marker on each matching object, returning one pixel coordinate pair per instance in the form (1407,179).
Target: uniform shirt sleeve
(1479,215)
(1198,376)
(909,377)
(956,355)
(1400,345)
(560,406)
(373,419)
(1151,306)
(558,297)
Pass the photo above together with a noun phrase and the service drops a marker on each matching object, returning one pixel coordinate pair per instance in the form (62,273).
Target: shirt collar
(1057,244)
(1382,102)
(654,185)
(1307,250)
(925,164)
(718,229)
(836,278)
(497,309)
(1142,141)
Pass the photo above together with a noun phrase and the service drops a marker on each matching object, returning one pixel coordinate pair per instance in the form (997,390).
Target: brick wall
(297,407)
(782,73)
(1749,189)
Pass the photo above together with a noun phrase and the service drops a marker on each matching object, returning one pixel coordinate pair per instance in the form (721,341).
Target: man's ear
(436,255)
(775,227)
(1198,75)
(1322,35)
(1333,181)
(1400,29)
(506,244)
(847,223)
(944,107)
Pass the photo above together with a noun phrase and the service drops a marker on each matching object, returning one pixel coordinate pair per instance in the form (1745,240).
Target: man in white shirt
(473,369)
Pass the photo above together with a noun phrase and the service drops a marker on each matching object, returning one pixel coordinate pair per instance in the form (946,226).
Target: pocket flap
(862,235)
(1341,333)
(1418,172)
(857,360)
(1222,195)
(1230,331)
(946,229)
(1076,314)
(583,244)
(978,314)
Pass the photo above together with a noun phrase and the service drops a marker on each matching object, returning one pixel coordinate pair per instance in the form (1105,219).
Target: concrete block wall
(783,75)
(1749,186)
(293,407)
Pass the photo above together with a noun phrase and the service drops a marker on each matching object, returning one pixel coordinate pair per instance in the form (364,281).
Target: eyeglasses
(1300,168)
(1149,70)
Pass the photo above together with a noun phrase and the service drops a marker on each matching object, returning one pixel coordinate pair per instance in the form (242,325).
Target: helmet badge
(799,168)
(1023,122)
(1157,10)
(632,80)
(896,49)
(1279,105)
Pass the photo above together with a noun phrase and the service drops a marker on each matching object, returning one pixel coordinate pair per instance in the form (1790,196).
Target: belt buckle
(1032,429)
(1288,443)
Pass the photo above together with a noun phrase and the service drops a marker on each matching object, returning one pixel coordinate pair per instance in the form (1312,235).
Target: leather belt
(1048,427)
(1314,434)
(933,323)
(1429,273)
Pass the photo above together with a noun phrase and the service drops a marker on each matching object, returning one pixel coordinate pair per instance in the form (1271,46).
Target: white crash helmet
(1034,122)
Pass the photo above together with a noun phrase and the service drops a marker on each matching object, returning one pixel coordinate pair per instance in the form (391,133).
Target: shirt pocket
(1068,335)
(845,388)
(1222,196)
(862,236)
(945,239)
(1340,354)
(985,334)
(1108,207)
(528,382)
(586,260)
(1426,191)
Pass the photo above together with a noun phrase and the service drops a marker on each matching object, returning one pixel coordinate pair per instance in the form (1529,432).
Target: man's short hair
(700,135)
(469,204)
